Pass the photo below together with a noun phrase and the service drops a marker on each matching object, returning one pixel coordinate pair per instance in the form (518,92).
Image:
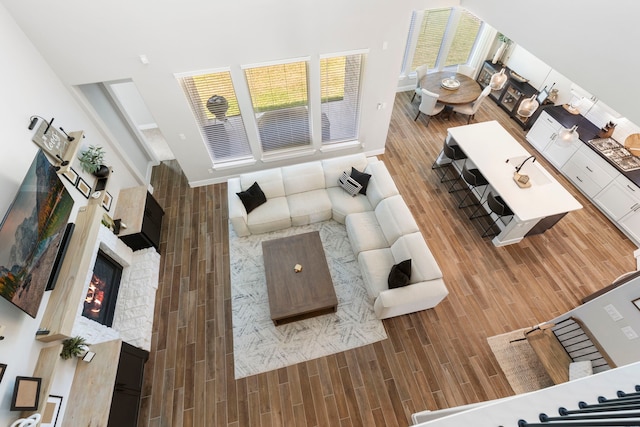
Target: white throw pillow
(349,184)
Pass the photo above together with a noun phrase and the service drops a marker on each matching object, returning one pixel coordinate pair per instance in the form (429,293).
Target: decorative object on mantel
(51,411)
(3,368)
(91,161)
(636,302)
(83,187)
(26,394)
(75,346)
(31,421)
(498,80)
(57,144)
(568,136)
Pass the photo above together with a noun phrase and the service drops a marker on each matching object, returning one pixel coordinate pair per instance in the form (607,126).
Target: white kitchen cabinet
(588,171)
(619,198)
(558,152)
(630,224)
(543,131)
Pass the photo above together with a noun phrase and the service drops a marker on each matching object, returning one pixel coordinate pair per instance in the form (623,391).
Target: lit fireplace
(100,302)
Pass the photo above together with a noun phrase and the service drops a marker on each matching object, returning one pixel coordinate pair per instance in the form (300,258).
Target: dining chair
(429,105)
(471,108)
(467,70)
(421,71)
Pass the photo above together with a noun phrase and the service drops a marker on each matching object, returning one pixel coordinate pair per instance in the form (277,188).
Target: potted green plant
(91,161)
(75,346)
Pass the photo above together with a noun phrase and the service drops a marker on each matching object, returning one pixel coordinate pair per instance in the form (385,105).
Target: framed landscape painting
(30,235)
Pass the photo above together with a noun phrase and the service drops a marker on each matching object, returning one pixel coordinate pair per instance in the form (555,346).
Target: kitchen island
(496,154)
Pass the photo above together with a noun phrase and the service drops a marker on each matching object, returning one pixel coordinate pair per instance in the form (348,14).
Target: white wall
(102,42)
(529,406)
(29,86)
(609,332)
(590,42)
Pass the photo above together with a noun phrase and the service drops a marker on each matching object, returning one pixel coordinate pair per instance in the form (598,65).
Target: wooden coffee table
(295,296)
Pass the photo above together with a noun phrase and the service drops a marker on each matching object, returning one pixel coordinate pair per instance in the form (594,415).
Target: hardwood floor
(433,359)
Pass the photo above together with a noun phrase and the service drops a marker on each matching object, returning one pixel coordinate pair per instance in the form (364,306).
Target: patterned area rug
(519,362)
(258,345)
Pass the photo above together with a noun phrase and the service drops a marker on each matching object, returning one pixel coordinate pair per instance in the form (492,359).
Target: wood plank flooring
(433,359)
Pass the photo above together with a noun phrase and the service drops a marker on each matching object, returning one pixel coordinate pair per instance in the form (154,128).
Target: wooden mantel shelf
(60,314)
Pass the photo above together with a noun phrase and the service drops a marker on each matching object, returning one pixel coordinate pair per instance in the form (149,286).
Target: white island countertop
(537,208)
(488,145)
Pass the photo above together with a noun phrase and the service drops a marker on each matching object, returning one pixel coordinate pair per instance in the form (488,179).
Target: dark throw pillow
(252,197)
(400,274)
(361,178)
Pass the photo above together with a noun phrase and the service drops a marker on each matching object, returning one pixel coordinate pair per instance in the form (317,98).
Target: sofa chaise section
(425,289)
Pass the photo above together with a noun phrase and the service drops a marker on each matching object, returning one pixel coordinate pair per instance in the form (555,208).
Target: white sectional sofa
(380,226)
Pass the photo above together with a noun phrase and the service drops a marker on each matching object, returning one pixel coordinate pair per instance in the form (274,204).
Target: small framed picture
(83,187)
(106,201)
(71,175)
(3,367)
(26,394)
(636,302)
(51,411)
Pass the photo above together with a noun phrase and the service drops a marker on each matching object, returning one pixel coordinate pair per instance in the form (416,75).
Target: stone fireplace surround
(133,317)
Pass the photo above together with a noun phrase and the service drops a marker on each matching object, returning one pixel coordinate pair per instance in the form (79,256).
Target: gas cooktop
(614,151)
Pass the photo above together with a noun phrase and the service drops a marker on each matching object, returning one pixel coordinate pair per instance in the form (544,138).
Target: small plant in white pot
(75,346)
(91,161)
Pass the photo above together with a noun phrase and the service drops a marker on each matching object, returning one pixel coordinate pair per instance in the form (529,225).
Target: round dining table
(467,92)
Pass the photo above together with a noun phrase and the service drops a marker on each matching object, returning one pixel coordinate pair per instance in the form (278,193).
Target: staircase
(624,410)
(608,405)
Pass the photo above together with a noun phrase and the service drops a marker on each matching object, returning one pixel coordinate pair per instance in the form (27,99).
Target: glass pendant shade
(498,80)
(568,136)
(528,107)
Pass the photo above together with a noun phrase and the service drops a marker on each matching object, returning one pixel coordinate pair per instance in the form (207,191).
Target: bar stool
(452,152)
(497,206)
(474,178)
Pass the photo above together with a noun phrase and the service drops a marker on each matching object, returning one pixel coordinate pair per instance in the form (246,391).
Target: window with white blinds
(215,107)
(340,78)
(279,95)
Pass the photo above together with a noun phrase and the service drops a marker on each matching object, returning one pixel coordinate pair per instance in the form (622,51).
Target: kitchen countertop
(488,145)
(587,131)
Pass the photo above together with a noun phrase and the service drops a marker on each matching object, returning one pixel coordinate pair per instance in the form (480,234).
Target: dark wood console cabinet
(142,215)
(510,96)
(125,403)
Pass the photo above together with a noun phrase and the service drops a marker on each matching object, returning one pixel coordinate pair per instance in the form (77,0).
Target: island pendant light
(528,107)
(568,136)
